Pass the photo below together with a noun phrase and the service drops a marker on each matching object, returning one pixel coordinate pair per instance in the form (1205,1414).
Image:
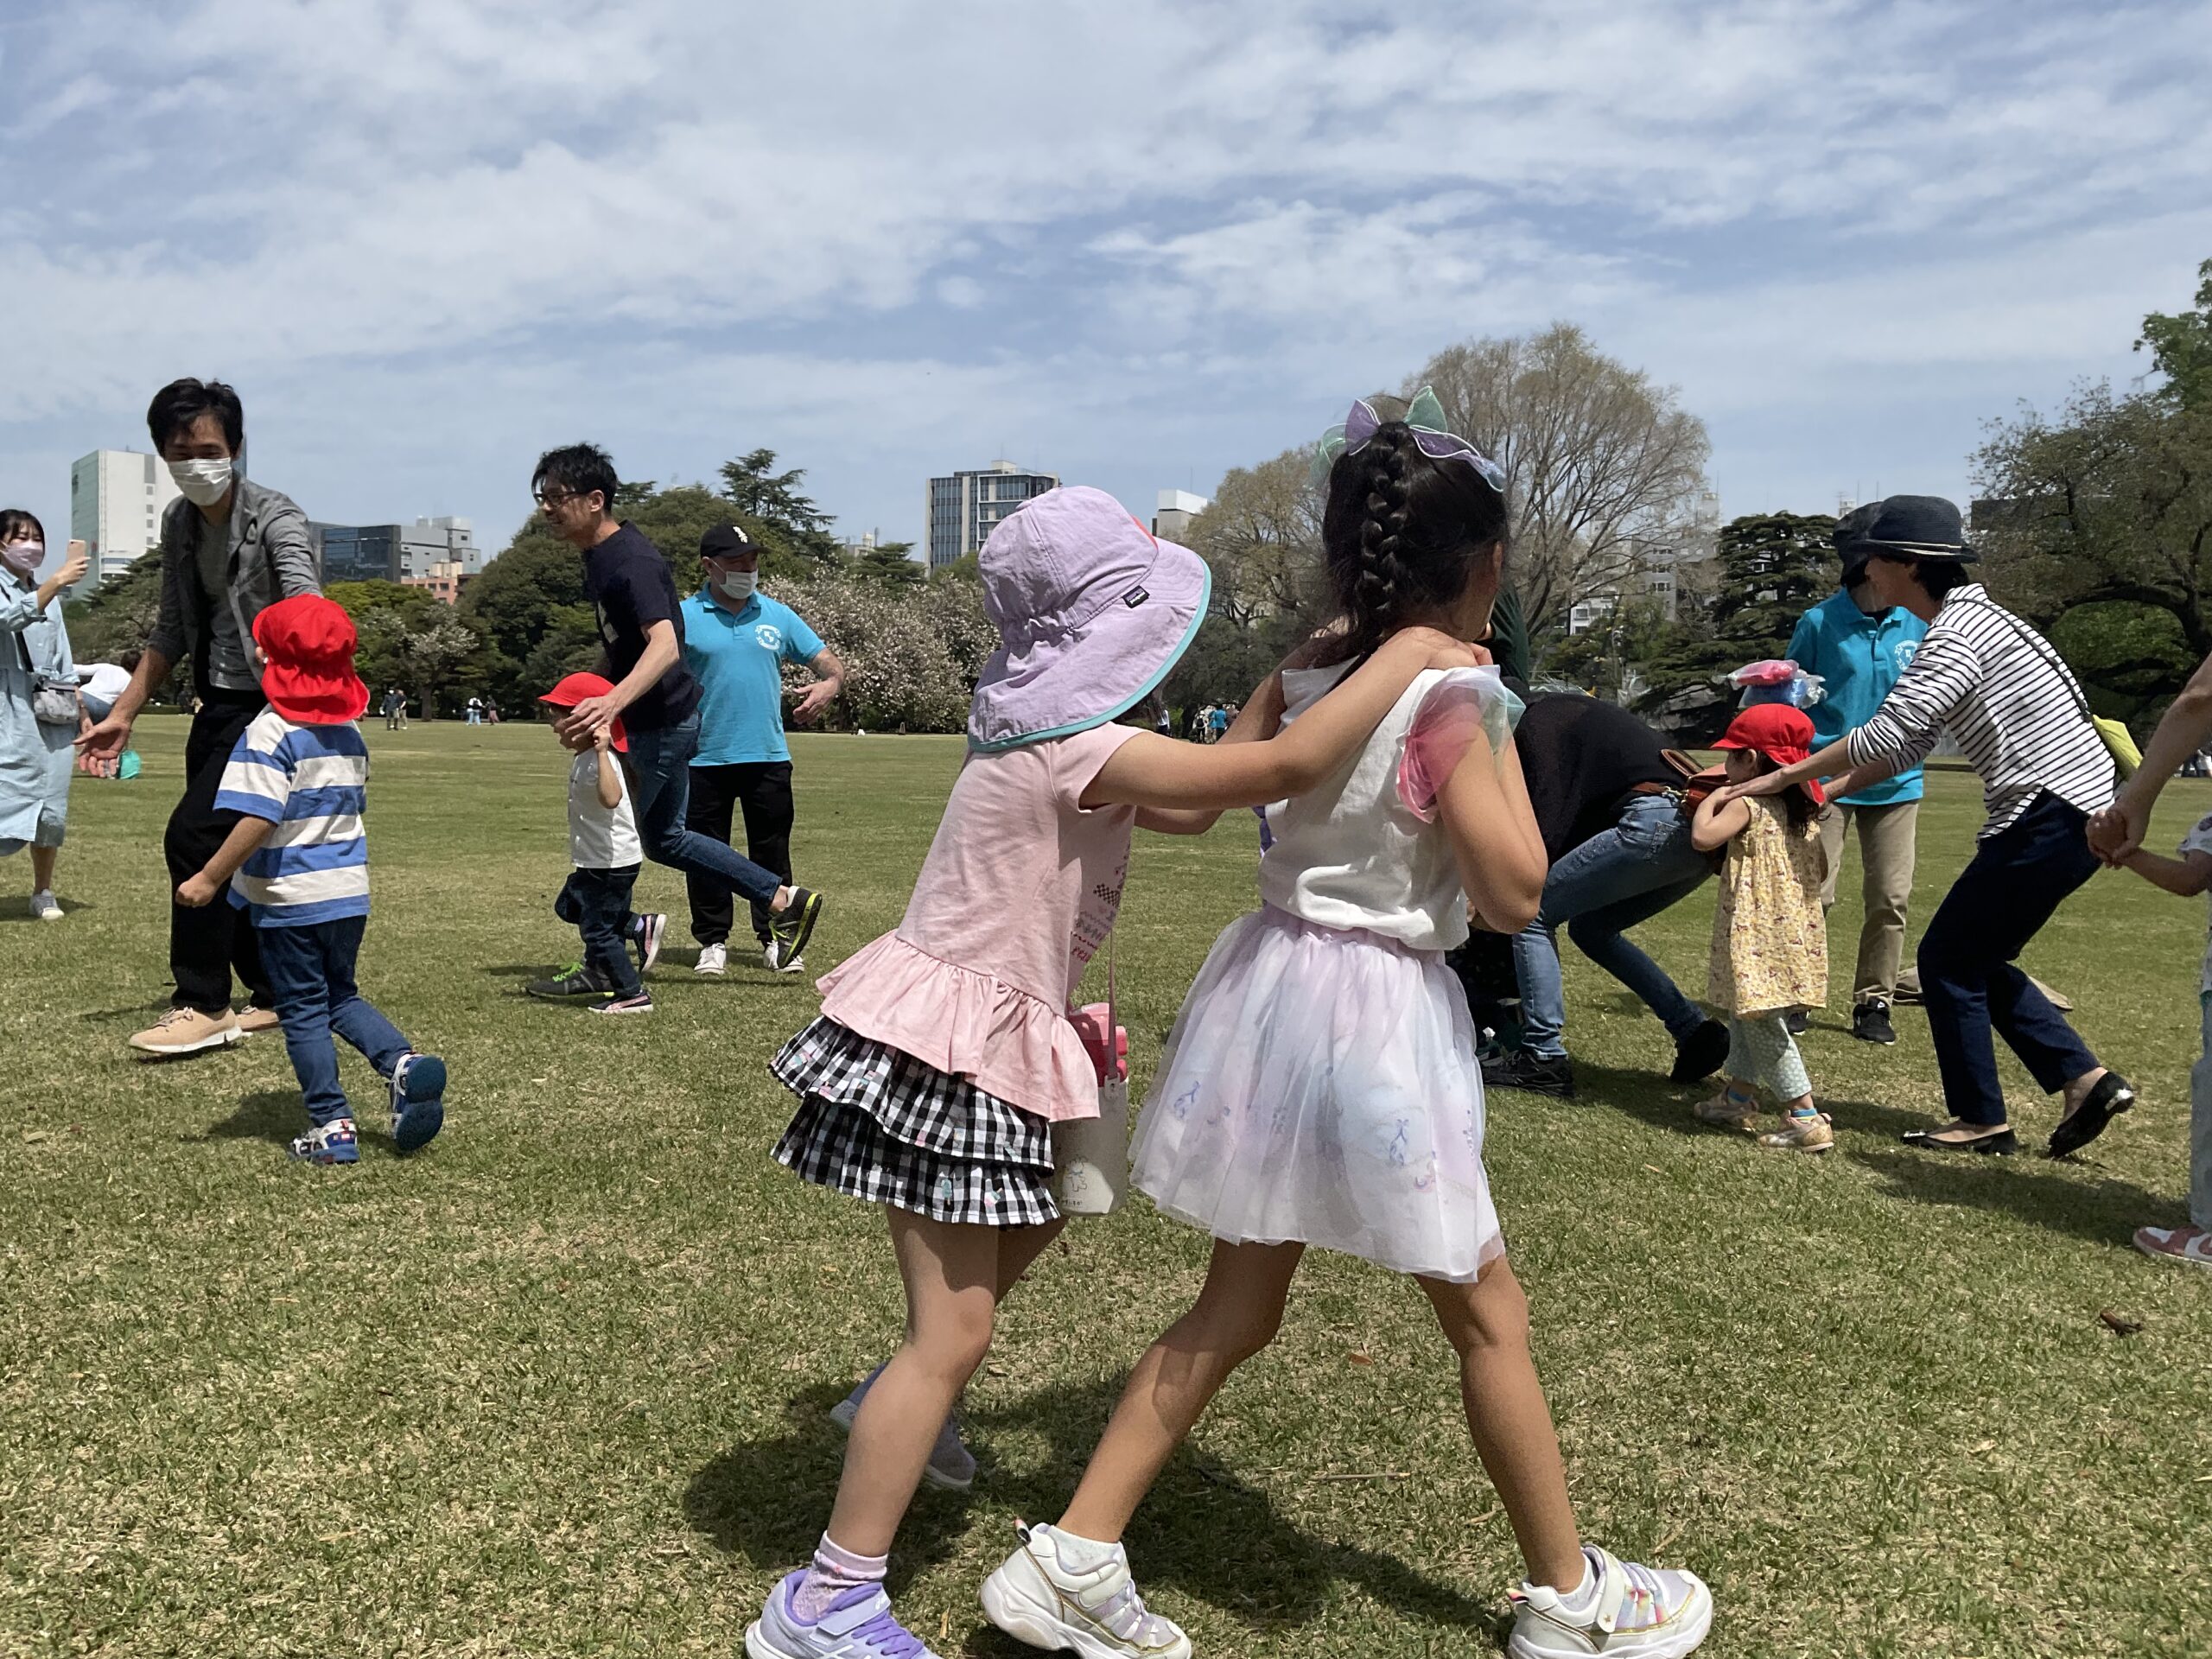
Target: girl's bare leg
(1235,1316)
(1487,1325)
(1018,1247)
(951,1274)
(42,861)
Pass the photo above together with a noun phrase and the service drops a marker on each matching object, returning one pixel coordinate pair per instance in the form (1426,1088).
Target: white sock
(1583,1599)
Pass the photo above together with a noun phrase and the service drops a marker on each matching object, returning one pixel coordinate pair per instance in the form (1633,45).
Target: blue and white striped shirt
(312,782)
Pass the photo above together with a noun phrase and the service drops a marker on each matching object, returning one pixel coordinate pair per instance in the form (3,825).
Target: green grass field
(557,1385)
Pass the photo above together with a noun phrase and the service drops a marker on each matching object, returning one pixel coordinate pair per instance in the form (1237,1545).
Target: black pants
(596,903)
(208,945)
(762,791)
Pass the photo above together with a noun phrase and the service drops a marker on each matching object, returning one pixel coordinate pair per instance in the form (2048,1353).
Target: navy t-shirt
(630,588)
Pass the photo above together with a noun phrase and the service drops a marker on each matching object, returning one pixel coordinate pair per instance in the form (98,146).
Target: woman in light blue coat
(39,713)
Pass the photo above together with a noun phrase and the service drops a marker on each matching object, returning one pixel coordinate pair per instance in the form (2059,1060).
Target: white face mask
(203,482)
(23,558)
(738,585)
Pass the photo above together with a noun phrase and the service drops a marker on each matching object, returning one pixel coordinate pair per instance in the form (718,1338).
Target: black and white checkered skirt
(879,1124)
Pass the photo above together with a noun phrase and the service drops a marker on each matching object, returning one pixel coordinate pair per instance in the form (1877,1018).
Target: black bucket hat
(1904,526)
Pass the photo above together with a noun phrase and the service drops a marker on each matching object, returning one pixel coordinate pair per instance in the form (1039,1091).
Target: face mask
(204,482)
(23,558)
(739,585)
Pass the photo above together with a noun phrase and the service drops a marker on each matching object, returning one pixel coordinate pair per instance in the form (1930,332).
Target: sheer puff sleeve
(1463,702)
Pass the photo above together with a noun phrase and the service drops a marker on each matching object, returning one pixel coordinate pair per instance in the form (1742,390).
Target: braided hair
(1400,534)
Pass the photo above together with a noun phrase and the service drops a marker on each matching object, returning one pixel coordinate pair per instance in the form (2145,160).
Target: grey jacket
(272,556)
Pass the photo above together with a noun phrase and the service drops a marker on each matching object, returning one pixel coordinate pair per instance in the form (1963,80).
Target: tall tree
(2181,347)
(753,486)
(1260,536)
(1603,464)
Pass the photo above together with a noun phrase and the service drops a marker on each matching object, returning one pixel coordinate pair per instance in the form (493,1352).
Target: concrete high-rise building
(1170,521)
(399,552)
(963,510)
(116,498)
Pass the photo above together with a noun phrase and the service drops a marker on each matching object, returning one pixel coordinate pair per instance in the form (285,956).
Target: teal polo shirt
(1860,658)
(738,658)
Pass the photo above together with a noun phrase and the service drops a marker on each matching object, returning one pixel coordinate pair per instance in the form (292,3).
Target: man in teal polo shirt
(1859,648)
(736,640)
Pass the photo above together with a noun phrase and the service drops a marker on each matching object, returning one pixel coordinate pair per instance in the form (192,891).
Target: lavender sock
(834,1571)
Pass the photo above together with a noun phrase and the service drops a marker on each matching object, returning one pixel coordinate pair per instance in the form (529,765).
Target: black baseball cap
(726,542)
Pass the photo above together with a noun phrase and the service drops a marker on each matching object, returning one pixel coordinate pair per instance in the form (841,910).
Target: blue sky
(1135,245)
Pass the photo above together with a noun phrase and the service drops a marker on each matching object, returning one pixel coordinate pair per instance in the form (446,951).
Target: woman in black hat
(2023,723)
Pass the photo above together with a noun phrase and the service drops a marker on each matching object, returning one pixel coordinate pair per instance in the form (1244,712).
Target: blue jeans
(1608,884)
(596,903)
(1969,979)
(311,974)
(660,784)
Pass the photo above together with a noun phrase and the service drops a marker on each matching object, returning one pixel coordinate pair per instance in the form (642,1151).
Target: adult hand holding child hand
(588,719)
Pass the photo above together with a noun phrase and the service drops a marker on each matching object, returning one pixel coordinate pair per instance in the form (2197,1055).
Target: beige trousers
(1887,838)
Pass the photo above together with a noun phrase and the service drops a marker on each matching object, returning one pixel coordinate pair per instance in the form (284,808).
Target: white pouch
(1090,1156)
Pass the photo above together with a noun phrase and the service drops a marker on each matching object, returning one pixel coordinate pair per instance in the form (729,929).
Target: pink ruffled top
(1020,890)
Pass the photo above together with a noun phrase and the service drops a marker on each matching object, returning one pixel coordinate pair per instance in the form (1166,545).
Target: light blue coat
(35,759)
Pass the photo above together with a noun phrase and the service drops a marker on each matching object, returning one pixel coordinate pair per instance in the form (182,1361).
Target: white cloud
(888,238)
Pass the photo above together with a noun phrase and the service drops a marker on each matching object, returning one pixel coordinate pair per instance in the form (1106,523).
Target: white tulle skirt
(1322,1086)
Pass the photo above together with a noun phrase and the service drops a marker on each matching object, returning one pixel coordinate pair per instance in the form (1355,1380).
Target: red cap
(307,642)
(574,688)
(1778,732)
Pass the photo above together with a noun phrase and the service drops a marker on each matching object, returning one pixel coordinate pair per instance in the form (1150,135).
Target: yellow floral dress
(1769,942)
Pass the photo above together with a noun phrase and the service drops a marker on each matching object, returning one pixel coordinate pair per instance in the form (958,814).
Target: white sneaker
(1035,1598)
(713,959)
(1638,1613)
(772,955)
(45,907)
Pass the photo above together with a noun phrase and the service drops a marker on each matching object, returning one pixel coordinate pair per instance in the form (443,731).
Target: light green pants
(1761,1051)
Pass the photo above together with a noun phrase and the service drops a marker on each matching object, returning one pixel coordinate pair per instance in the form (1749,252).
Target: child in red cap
(604,843)
(298,861)
(1769,944)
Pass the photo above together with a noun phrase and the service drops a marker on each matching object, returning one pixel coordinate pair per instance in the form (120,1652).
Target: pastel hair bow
(1425,414)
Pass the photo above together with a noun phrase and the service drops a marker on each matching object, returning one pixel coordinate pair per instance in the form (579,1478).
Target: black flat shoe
(2110,1098)
(2003,1144)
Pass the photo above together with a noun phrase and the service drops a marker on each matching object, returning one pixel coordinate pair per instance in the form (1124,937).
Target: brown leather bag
(1698,782)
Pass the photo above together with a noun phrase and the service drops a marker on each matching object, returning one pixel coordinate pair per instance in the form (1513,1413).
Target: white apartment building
(1170,520)
(962,509)
(116,498)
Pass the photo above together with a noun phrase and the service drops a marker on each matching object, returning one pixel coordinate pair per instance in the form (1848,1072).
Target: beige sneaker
(253,1020)
(1727,1111)
(1814,1133)
(187,1031)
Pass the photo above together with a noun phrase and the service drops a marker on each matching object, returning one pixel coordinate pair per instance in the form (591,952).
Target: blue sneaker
(418,1107)
(335,1143)
(857,1625)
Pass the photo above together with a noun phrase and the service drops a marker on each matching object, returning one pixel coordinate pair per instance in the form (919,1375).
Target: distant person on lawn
(605,852)
(231,548)
(2116,835)
(295,864)
(633,597)
(41,709)
(1858,647)
(736,640)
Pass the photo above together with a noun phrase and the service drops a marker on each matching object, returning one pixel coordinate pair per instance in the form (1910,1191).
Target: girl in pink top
(944,1052)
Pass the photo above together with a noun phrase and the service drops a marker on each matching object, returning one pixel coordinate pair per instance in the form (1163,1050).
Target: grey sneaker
(951,1466)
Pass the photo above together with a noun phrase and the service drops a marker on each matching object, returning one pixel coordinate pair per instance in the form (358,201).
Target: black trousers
(761,790)
(208,945)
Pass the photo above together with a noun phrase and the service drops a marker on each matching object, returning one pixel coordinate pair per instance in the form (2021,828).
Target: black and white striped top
(2011,703)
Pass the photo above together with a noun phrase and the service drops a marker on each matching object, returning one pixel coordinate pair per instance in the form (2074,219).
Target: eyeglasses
(554,500)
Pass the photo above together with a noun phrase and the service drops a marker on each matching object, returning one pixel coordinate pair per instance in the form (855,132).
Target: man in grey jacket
(230,550)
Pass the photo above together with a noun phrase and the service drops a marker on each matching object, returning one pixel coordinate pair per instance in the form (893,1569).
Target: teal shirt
(738,657)
(1858,658)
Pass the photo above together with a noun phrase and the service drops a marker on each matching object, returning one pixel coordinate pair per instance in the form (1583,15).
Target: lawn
(556,1385)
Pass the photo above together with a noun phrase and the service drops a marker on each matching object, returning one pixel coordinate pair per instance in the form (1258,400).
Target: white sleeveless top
(1351,852)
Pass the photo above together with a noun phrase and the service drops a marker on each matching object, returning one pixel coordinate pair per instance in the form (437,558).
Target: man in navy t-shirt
(736,640)
(632,597)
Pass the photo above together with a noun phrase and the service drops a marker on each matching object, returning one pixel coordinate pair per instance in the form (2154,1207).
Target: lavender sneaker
(951,1466)
(857,1625)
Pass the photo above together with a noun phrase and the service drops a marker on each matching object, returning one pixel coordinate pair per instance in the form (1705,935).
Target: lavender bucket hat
(1092,610)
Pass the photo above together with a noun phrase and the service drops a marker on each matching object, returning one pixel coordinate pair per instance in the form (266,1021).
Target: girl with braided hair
(1321,1085)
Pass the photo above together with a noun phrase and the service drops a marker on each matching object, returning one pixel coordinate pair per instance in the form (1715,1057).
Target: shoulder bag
(1090,1156)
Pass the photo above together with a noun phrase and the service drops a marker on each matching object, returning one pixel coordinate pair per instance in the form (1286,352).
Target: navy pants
(660,793)
(1968,978)
(596,903)
(310,972)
